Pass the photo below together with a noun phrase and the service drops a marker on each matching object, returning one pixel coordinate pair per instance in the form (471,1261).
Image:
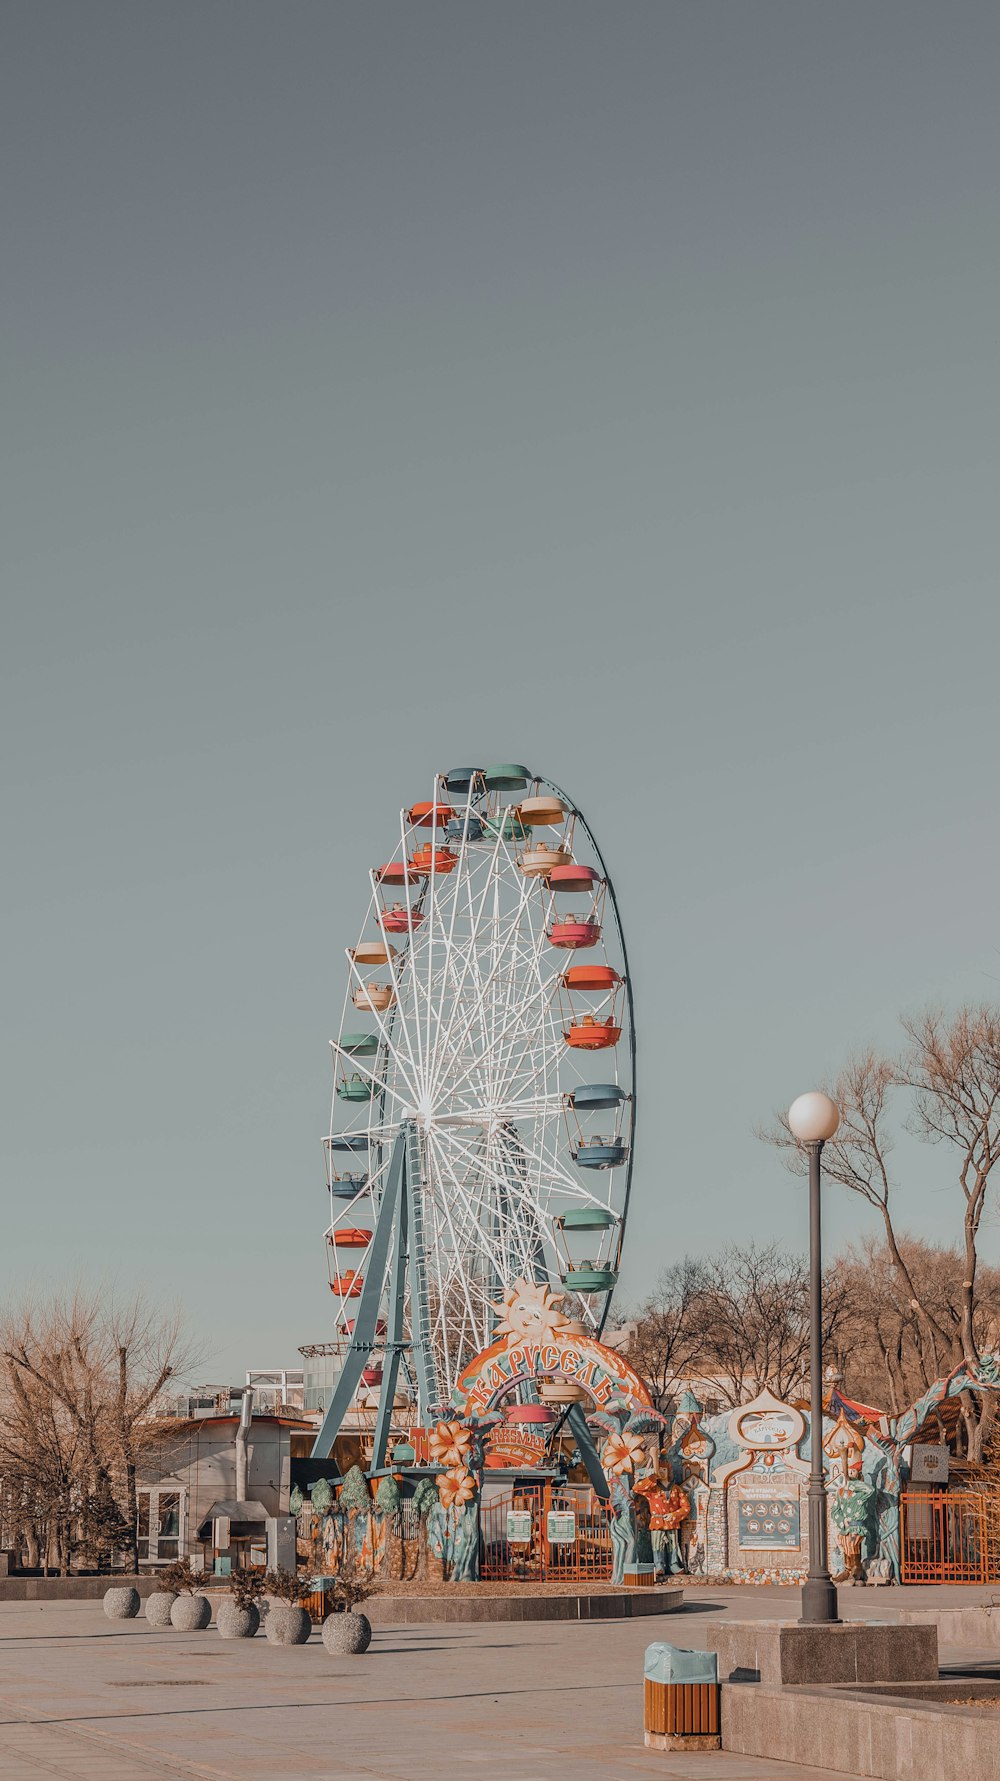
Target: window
(159,1525)
(168,1511)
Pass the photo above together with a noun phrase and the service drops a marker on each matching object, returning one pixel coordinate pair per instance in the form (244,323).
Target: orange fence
(944,1537)
(541,1535)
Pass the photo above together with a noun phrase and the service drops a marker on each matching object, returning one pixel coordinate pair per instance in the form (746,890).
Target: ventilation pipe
(242,1453)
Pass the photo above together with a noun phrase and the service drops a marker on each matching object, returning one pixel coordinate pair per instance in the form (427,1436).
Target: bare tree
(886,1361)
(668,1343)
(739,1319)
(755,1305)
(80,1377)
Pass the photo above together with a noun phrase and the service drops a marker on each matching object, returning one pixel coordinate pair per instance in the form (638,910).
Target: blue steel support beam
(588,1452)
(363,1336)
(394,1339)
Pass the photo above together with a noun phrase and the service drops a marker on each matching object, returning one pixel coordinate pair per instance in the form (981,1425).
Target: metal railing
(944,1537)
(542,1535)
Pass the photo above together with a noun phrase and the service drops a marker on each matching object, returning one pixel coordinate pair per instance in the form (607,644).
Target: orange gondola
(399,872)
(588,1034)
(437,859)
(399,920)
(347,1285)
(569,876)
(351,1238)
(572,933)
(427,815)
(592,977)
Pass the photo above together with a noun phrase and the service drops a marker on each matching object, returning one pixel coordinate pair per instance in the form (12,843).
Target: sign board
(518,1527)
(769,1523)
(220,1532)
(929,1464)
(766,1424)
(510,1449)
(560,1527)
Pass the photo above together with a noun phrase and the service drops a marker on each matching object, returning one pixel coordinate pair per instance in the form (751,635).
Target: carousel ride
(480,1153)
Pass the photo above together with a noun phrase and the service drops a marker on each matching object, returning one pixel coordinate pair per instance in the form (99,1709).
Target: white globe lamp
(813,1118)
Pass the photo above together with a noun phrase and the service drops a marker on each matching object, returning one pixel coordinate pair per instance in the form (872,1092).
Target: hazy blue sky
(611,387)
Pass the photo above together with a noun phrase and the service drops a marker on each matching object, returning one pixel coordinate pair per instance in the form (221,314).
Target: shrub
(179,1578)
(286,1586)
(348,1592)
(246,1586)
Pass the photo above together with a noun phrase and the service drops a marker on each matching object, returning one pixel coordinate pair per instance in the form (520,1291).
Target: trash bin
(639,1577)
(681,1705)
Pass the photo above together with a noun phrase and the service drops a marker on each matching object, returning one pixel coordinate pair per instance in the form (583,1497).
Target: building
(215,1477)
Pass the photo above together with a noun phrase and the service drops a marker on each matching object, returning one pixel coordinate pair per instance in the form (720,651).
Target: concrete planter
(347,1635)
(237,1623)
(190,1613)
(158,1606)
(121,1604)
(286,1625)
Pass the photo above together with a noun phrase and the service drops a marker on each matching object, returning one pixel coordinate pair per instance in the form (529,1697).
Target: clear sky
(612,387)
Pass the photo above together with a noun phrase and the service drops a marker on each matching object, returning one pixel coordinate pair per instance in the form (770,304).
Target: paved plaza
(84,1697)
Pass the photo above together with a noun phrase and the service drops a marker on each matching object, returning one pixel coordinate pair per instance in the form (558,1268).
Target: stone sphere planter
(158,1606)
(347,1635)
(286,1625)
(190,1613)
(121,1604)
(237,1623)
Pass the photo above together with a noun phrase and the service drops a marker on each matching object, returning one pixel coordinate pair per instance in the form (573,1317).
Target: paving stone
(538,1699)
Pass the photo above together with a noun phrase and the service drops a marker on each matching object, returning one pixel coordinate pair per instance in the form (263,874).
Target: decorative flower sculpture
(529,1311)
(450,1444)
(622,1453)
(456,1488)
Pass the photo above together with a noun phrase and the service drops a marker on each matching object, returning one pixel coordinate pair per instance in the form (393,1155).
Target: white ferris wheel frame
(472,1052)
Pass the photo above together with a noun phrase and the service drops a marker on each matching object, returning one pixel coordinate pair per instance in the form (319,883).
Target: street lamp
(812,1119)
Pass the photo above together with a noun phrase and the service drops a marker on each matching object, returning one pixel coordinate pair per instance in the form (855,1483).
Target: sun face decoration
(450,1444)
(622,1453)
(529,1312)
(456,1488)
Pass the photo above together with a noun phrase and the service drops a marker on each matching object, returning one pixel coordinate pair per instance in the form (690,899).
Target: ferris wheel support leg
(420,1322)
(363,1337)
(395,1342)
(588,1452)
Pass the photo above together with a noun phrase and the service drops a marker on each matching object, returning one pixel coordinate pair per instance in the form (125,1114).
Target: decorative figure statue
(668,1508)
(465,1563)
(453,1524)
(850,1512)
(851,1498)
(623,1528)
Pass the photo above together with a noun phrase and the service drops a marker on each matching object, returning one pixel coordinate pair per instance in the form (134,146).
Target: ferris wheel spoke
(480,1000)
(444,1207)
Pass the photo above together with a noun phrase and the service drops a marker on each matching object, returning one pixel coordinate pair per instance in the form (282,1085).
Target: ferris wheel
(483,1110)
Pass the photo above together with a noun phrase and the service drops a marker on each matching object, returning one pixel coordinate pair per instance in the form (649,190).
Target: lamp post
(812,1119)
